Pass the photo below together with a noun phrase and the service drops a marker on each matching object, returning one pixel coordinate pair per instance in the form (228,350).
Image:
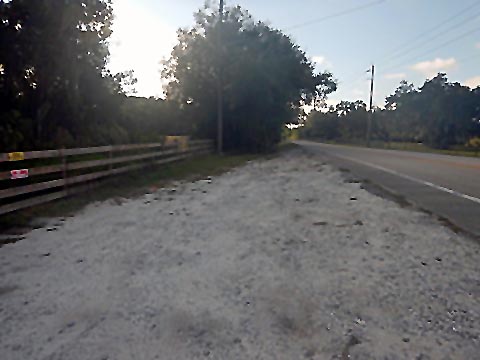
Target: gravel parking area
(283,258)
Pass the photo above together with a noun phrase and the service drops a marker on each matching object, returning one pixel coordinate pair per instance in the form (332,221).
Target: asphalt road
(448,186)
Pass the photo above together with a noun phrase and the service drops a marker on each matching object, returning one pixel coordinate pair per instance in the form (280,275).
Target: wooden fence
(36,177)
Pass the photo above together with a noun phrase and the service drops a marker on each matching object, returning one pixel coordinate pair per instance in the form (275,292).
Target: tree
(347,121)
(447,112)
(53,80)
(322,125)
(439,113)
(266,78)
(401,118)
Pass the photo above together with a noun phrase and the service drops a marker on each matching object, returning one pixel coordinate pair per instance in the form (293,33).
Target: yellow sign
(180,141)
(16,156)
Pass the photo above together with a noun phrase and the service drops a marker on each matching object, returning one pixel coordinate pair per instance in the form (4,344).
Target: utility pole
(370,111)
(220,83)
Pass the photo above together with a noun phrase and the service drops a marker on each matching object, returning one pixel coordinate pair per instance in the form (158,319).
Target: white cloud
(472,82)
(359,92)
(477,45)
(139,41)
(322,62)
(431,68)
(395,76)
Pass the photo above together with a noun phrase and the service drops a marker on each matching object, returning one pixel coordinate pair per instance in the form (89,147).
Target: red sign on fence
(19,174)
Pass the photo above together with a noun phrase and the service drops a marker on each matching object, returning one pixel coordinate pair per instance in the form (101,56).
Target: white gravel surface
(279,259)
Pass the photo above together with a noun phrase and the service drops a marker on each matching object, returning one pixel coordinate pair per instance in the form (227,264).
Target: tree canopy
(53,55)
(266,78)
(439,114)
(55,88)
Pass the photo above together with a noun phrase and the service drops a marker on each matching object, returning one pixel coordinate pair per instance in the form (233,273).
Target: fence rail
(72,173)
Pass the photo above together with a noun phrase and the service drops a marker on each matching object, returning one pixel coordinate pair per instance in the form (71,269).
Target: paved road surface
(448,186)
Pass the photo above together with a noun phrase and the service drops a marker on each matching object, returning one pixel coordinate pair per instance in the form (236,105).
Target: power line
(435,48)
(355,78)
(339,14)
(332,16)
(468,59)
(361,77)
(402,53)
(408,44)
(409,47)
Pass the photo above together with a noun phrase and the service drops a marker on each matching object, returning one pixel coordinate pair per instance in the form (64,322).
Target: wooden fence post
(85,171)
(64,168)
(110,157)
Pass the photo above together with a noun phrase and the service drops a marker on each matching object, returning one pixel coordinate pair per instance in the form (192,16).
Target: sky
(405,39)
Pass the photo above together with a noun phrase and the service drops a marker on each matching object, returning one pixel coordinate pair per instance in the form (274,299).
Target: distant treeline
(439,114)
(56,91)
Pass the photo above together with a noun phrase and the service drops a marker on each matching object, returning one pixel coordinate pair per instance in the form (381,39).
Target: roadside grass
(411,146)
(407,146)
(129,185)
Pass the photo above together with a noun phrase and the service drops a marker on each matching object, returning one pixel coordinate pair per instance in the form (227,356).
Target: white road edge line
(408,177)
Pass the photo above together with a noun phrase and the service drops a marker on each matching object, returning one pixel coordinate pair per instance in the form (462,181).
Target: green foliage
(52,53)
(265,76)
(148,120)
(345,121)
(440,114)
(54,87)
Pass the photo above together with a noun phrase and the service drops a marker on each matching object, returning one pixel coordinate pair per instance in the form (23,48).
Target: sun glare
(139,42)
